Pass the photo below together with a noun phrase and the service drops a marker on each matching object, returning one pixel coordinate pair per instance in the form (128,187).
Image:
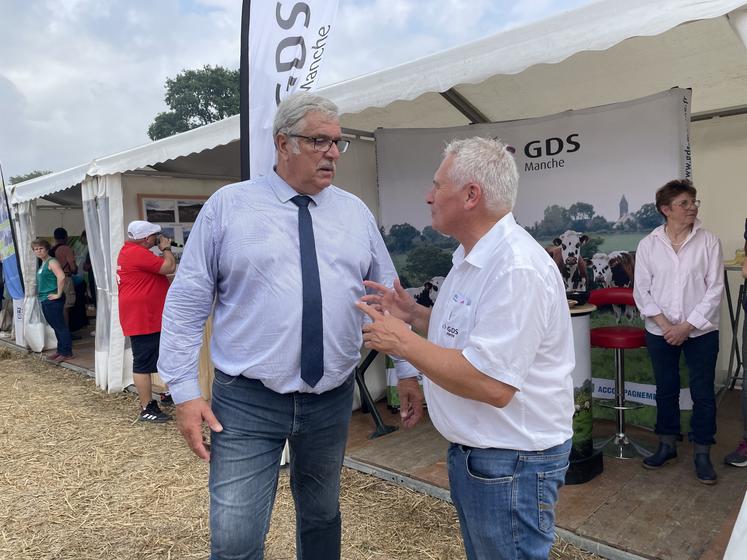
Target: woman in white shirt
(679,280)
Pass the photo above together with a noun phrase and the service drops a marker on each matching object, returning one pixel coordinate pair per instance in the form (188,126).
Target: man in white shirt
(497,361)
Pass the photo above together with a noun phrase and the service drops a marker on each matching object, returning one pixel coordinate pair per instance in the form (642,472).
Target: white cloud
(83,78)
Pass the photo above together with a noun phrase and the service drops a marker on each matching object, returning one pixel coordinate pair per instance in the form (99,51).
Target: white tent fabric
(192,141)
(102,213)
(47,184)
(594,27)
(36,337)
(179,145)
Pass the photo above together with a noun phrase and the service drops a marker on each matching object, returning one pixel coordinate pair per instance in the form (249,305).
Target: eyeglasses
(324,144)
(687,204)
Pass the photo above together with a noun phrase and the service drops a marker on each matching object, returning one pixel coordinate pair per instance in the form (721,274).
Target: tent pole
(461,104)
(244,91)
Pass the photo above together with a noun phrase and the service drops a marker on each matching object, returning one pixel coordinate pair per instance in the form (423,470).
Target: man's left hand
(386,334)
(410,401)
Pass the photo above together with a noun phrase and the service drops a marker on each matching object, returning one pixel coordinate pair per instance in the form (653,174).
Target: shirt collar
(662,234)
(482,252)
(284,192)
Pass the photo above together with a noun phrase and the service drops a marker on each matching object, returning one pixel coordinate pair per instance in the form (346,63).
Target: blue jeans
(245,461)
(52,310)
(506,499)
(700,355)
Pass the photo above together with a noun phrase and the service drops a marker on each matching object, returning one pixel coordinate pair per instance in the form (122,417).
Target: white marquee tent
(605,52)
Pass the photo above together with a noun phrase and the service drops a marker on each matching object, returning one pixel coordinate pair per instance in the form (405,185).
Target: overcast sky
(81,79)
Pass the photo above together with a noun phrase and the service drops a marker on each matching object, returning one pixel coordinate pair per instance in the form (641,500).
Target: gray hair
(291,112)
(489,163)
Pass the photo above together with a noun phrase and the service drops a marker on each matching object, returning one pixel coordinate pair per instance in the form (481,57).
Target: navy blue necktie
(312,341)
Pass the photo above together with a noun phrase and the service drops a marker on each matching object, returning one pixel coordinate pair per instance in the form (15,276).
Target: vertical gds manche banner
(283,45)
(8,256)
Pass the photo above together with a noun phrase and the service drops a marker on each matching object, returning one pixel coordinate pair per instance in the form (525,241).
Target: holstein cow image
(426,294)
(616,269)
(601,275)
(568,259)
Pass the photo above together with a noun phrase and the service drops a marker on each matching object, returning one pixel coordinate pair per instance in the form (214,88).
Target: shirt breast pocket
(455,324)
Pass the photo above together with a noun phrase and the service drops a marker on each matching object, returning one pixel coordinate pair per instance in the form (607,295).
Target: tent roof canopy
(184,153)
(601,53)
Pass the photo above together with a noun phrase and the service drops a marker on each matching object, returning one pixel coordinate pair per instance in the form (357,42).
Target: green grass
(620,241)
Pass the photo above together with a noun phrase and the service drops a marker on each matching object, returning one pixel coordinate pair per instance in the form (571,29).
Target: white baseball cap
(140,229)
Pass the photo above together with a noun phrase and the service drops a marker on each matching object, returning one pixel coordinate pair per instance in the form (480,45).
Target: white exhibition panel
(48,218)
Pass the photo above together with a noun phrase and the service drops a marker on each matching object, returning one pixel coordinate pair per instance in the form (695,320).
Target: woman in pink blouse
(679,279)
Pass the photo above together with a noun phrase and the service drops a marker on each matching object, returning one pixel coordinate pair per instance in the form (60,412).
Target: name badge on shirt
(457,319)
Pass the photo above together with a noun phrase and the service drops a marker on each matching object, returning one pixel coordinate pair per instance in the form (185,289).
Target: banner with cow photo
(586,193)
(282,48)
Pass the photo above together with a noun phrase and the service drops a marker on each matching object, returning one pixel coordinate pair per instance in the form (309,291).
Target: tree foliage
(14,180)
(425,262)
(196,98)
(556,219)
(433,237)
(591,246)
(401,237)
(648,216)
(581,211)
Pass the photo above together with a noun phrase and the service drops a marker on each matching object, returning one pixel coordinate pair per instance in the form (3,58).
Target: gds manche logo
(549,148)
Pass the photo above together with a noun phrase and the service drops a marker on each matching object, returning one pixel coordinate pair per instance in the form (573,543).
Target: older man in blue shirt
(279,261)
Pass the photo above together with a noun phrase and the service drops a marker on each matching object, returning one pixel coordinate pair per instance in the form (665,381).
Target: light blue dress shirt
(242,263)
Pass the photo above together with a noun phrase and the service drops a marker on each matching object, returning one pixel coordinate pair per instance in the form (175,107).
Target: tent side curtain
(102,214)
(25,218)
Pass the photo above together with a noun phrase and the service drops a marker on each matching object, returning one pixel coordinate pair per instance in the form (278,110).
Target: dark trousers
(52,310)
(700,355)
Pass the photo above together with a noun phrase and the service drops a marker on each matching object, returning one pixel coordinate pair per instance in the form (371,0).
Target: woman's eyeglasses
(687,204)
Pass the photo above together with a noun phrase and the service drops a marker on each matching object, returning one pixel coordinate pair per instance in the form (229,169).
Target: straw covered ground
(80,479)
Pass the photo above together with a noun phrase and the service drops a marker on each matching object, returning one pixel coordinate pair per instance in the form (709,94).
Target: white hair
(489,163)
(290,118)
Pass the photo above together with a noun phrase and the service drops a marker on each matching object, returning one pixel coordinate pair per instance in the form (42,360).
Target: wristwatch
(166,249)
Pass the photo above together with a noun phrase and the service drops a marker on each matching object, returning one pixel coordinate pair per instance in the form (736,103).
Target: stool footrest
(620,446)
(626,405)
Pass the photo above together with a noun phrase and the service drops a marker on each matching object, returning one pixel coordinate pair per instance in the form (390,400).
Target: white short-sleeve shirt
(504,305)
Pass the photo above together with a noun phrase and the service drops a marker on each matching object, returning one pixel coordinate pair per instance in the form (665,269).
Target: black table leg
(367,404)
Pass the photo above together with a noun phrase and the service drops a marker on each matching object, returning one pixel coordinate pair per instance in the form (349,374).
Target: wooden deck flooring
(663,514)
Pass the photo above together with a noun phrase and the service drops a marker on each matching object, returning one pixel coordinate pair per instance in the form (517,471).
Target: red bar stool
(618,338)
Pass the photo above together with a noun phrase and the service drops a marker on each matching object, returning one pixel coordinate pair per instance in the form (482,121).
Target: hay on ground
(81,479)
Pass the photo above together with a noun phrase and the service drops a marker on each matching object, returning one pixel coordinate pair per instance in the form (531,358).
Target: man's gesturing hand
(396,301)
(386,334)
